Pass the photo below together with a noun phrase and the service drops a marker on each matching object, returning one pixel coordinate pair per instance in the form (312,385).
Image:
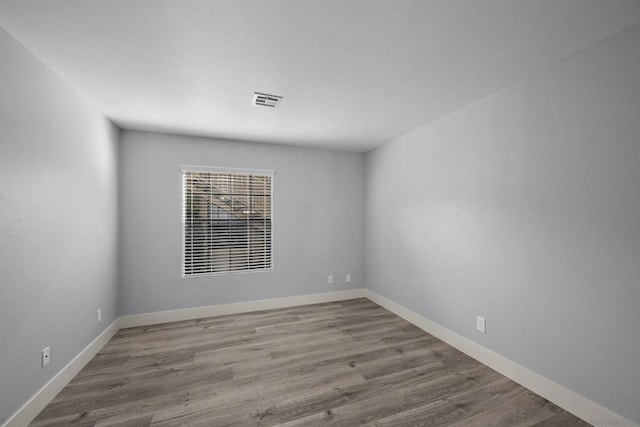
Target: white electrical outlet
(481,324)
(348,278)
(330,280)
(45,356)
(99,313)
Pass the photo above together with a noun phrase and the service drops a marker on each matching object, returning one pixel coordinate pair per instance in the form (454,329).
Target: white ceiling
(354,73)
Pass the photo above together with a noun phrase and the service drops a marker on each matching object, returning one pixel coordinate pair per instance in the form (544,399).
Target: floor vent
(266,100)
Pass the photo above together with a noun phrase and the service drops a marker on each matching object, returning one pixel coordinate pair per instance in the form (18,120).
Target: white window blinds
(226,221)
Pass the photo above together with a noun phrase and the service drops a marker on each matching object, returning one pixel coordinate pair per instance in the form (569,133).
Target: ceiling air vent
(265,100)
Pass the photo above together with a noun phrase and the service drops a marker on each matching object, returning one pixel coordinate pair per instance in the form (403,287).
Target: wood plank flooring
(344,363)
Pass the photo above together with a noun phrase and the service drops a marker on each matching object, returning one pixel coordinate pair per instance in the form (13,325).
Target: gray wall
(524,207)
(318,227)
(58,223)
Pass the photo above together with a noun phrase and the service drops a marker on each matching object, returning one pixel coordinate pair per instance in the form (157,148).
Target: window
(226,217)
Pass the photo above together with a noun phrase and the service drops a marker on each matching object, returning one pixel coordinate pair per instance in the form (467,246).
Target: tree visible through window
(226,221)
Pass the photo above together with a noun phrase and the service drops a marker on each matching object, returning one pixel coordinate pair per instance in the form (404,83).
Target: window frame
(227,170)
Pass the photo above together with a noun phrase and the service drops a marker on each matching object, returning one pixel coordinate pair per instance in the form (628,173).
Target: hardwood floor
(345,363)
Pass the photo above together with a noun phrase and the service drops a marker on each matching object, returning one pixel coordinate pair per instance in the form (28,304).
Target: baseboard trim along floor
(145,319)
(37,403)
(568,400)
(587,410)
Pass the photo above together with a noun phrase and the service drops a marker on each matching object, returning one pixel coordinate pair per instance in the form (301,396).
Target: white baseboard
(32,408)
(561,396)
(37,403)
(581,407)
(235,308)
